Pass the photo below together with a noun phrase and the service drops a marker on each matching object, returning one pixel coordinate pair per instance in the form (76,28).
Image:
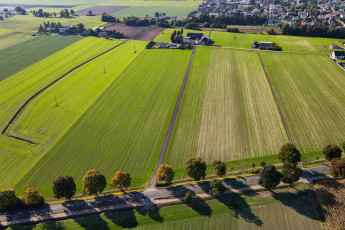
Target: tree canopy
(289,153)
(64,187)
(291,173)
(331,152)
(337,169)
(165,173)
(219,167)
(121,180)
(94,182)
(196,168)
(8,199)
(217,187)
(32,196)
(269,177)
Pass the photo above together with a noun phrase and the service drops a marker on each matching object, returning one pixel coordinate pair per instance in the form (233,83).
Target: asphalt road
(146,196)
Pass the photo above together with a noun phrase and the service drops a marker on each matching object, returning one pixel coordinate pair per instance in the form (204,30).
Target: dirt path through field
(27,102)
(164,148)
(276,100)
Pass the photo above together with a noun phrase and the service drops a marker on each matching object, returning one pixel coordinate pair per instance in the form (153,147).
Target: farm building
(338,55)
(265,45)
(163,45)
(334,46)
(196,39)
(254,45)
(173,46)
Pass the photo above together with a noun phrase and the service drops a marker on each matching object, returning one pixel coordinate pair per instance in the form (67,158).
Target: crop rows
(311,92)
(227,112)
(125,128)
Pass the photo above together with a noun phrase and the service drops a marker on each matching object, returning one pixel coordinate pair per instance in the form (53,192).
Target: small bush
(262,163)
(188,196)
(253,165)
(331,152)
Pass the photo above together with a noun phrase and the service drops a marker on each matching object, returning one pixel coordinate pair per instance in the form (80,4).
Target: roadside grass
(18,88)
(124,129)
(22,55)
(311,92)
(227,112)
(142,11)
(242,40)
(287,208)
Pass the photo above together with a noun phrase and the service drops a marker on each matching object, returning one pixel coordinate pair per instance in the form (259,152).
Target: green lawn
(227,111)
(18,88)
(311,92)
(18,57)
(124,130)
(8,39)
(241,40)
(286,210)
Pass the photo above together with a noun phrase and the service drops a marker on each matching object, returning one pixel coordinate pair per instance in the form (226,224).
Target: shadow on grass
(197,204)
(304,202)
(125,219)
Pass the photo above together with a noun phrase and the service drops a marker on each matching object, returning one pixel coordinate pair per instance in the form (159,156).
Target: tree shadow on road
(197,204)
(150,209)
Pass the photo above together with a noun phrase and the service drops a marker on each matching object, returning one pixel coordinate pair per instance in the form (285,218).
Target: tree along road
(146,197)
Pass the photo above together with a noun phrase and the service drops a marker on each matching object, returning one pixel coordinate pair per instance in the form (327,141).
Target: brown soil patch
(150,34)
(98,10)
(128,31)
(331,197)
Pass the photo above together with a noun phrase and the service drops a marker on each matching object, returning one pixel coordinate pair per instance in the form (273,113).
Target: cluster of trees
(54,26)
(19,10)
(40,13)
(333,154)
(63,13)
(317,30)
(233,30)
(135,21)
(9,199)
(66,14)
(177,36)
(109,18)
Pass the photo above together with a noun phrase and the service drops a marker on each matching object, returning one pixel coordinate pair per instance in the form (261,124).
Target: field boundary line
(276,100)
(138,34)
(27,102)
(170,129)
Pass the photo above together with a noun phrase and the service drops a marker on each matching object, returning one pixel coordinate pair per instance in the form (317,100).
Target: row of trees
(63,13)
(109,18)
(316,30)
(177,36)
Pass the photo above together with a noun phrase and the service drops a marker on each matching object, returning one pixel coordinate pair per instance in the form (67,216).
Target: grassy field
(30,23)
(142,11)
(311,92)
(285,210)
(124,129)
(227,112)
(241,40)
(13,38)
(18,57)
(16,89)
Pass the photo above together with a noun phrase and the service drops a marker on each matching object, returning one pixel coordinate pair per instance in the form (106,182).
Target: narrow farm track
(27,102)
(167,137)
(138,34)
(276,100)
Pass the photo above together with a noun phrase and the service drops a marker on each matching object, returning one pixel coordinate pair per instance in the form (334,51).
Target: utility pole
(56,102)
(134,49)
(104,69)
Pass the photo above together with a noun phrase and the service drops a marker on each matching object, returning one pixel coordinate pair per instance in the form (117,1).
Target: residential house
(338,55)
(265,45)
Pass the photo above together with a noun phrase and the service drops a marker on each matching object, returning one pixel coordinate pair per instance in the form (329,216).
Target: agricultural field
(8,39)
(98,10)
(150,33)
(18,57)
(18,88)
(285,210)
(311,92)
(128,31)
(227,111)
(142,11)
(125,127)
(241,40)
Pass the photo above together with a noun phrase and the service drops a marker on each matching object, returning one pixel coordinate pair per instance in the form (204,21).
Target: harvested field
(227,111)
(98,10)
(310,89)
(331,194)
(128,31)
(150,34)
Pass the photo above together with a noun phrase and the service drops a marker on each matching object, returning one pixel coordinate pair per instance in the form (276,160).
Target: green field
(287,210)
(9,39)
(311,92)
(18,57)
(16,89)
(241,40)
(227,112)
(124,129)
(142,11)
